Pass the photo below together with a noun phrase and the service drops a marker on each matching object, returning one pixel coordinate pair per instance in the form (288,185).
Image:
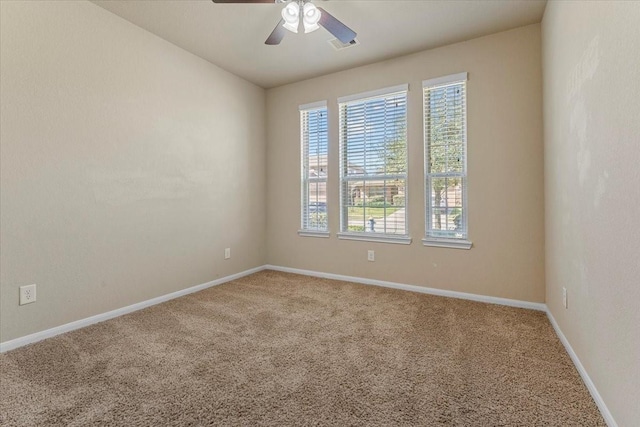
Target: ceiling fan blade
(277,34)
(338,29)
(244,1)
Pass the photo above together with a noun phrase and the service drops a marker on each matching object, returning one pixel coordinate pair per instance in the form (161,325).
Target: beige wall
(592,190)
(505,171)
(128,165)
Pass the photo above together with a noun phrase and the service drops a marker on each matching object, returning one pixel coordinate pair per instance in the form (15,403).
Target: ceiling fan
(312,18)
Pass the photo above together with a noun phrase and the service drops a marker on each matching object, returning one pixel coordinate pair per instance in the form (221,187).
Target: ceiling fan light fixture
(291,17)
(310,17)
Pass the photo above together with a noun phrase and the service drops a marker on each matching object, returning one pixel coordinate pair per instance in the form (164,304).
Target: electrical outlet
(227,253)
(371,256)
(564,298)
(27,294)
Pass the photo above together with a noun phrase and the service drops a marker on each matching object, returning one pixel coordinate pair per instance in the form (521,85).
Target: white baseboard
(421,289)
(39,336)
(606,414)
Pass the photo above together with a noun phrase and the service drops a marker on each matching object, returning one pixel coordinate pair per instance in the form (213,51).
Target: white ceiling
(232,35)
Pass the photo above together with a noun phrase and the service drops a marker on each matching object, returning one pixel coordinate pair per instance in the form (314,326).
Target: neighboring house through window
(373,165)
(445,134)
(314,148)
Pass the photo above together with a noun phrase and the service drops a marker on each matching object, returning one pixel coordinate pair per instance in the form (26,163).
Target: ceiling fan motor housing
(312,18)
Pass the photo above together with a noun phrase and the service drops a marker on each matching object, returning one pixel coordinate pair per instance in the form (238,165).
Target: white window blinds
(314,140)
(373,162)
(445,132)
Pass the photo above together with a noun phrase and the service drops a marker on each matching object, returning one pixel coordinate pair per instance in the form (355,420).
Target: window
(445,134)
(314,139)
(373,166)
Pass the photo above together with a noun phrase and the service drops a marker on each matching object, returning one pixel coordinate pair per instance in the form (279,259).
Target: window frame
(304,231)
(345,177)
(429,238)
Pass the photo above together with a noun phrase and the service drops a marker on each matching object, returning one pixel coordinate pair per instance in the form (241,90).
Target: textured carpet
(281,349)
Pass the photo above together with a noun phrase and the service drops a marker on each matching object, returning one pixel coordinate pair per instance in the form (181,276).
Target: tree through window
(315,144)
(445,114)
(373,155)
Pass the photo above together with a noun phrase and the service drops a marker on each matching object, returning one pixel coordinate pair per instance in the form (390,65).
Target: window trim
(313,106)
(440,242)
(302,232)
(310,233)
(436,241)
(404,239)
(363,96)
(375,237)
(444,80)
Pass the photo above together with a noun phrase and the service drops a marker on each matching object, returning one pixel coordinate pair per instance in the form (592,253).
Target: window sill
(373,237)
(311,233)
(447,243)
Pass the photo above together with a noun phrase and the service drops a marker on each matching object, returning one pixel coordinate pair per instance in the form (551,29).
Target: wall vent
(338,45)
